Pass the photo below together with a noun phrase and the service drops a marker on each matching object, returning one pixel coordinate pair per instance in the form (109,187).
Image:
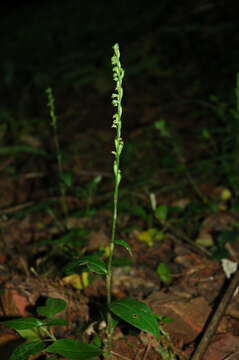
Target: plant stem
(118,74)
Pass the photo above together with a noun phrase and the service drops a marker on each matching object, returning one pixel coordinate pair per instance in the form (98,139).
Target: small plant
(38,332)
(223,140)
(64,178)
(130,310)
(40,338)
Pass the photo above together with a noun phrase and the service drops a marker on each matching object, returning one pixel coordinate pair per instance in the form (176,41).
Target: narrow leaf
(125,245)
(137,314)
(74,349)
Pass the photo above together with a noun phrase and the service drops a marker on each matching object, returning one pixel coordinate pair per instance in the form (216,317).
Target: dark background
(176,55)
(68,45)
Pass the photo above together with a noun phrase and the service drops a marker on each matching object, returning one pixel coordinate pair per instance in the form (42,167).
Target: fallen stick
(213,324)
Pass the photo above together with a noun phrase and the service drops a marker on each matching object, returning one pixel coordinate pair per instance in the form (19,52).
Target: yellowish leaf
(150,236)
(78,281)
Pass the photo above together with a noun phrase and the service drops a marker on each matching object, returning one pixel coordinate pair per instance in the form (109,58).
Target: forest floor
(177,219)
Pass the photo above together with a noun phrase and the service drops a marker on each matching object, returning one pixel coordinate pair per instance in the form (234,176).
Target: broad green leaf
(52,307)
(125,245)
(74,349)
(137,314)
(22,324)
(23,351)
(164,273)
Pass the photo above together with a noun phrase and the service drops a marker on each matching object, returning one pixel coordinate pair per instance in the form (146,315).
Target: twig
(232,356)
(180,236)
(120,356)
(147,351)
(212,326)
(15,208)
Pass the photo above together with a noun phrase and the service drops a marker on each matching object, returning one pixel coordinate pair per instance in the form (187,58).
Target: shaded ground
(179,193)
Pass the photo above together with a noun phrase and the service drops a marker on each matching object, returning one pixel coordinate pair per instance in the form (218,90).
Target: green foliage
(23,352)
(37,332)
(52,307)
(125,245)
(161,213)
(88,192)
(74,349)
(92,262)
(137,314)
(23,324)
(164,273)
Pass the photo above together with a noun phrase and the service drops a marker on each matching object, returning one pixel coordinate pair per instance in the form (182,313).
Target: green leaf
(96,340)
(13,150)
(33,334)
(52,307)
(161,126)
(164,273)
(74,349)
(161,213)
(97,267)
(23,351)
(93,263)
(55,322)
(66,178)
(125,245)
(23,324)
(137,314)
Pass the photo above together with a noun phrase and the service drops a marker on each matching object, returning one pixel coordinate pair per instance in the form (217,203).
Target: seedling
(164,273)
